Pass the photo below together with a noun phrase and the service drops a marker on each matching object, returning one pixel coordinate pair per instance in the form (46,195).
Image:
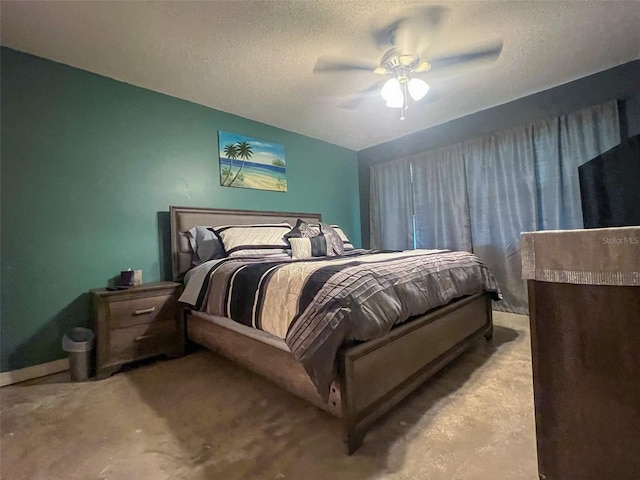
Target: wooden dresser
(136,323)
(584,305)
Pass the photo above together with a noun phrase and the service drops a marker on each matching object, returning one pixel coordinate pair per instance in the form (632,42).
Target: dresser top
(598,256)
(145,287)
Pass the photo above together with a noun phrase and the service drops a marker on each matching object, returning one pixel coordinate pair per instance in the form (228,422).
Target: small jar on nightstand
(136,323)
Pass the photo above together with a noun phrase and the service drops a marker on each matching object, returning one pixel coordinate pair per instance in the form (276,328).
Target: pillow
(204,245)
(305,247)
(333,242)
(253,240)
(347,244)
(303,230)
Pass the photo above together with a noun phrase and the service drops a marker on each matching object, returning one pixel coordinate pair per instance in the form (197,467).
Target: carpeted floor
(202,418)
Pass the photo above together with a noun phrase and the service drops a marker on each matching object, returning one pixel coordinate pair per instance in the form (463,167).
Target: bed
(358,394)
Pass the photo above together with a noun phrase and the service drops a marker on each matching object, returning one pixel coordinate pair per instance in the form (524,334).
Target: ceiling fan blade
(385,36)
(361,95)
(326,64)
(351,104)
(486,53)
(413,32)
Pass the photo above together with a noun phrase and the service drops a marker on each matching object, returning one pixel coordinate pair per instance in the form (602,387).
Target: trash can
(79,342)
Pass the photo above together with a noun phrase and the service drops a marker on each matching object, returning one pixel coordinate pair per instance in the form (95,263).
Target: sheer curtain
(502,191)
(561,145)
(391,206)
(440,199)
(484,192)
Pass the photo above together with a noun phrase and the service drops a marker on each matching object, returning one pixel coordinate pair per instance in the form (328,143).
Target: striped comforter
(317,305)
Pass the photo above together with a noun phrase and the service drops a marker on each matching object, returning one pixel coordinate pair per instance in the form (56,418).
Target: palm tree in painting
(231,152)
(243,151)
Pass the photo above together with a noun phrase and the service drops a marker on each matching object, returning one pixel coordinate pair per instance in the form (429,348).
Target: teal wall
(90,165)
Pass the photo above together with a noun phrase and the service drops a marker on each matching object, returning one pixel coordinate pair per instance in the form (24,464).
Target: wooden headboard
(184,218)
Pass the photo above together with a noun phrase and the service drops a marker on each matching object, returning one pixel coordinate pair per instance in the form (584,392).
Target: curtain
(484,192)
(440,200)
(501,185)
(391,206)
(561,145)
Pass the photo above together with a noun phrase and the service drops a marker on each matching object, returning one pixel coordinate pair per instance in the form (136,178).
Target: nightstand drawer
(143,340)
(138,311)
(136,323)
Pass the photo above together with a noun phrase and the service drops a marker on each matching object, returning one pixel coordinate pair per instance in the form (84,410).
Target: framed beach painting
(246,162)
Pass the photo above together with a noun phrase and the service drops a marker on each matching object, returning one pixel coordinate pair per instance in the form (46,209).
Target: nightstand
(137,323)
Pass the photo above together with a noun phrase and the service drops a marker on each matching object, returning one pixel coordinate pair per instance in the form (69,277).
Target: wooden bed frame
(408,355)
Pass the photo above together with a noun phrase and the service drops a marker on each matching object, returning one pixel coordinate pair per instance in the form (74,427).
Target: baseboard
(35,371)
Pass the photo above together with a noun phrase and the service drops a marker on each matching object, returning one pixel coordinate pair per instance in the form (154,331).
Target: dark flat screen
(610,187)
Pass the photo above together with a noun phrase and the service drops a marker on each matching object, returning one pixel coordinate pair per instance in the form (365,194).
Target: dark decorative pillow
(330,238)
(204,244)
(345,240)
(334,242)
(303,230)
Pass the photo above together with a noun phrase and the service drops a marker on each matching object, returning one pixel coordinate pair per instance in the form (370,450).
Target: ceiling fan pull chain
(405,103)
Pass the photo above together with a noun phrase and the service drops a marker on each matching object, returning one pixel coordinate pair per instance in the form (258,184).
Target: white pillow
(253,240)
(300,247)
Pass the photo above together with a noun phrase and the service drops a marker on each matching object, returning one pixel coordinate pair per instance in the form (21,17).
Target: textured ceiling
(256,59)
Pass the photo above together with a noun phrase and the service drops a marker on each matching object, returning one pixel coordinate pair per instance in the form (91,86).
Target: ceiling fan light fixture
(395,102)
(392,93)
(418,88)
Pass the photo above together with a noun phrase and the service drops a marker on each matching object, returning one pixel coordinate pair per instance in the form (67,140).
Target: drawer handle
(143,337)
(143,311)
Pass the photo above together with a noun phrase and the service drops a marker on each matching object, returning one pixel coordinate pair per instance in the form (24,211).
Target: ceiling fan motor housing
(402,64)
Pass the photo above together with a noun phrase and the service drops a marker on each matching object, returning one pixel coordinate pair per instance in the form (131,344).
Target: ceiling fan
(409,37)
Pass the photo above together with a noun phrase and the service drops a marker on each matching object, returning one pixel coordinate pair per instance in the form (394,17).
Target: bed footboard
(378,374)
(278,366)
(374,375)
